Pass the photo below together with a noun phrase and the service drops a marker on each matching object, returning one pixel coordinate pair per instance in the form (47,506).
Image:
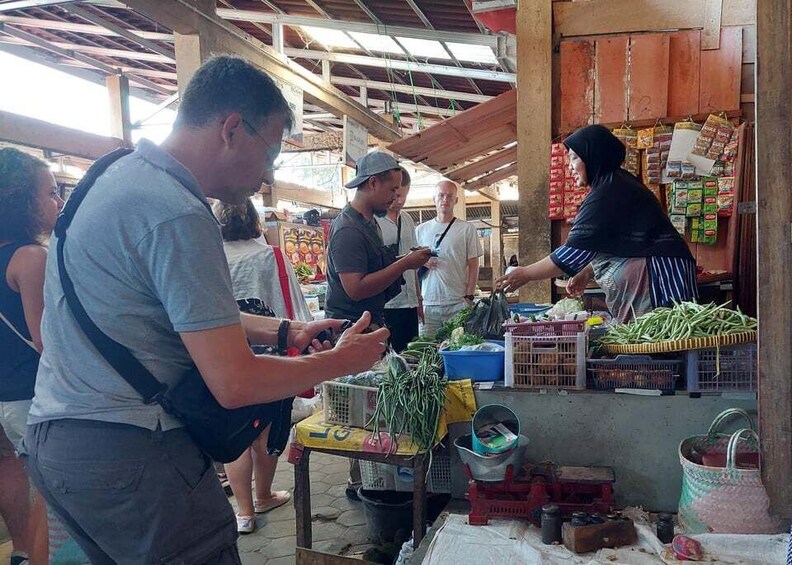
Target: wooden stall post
(118,90)
(774,235)
(534,134)
(496,245)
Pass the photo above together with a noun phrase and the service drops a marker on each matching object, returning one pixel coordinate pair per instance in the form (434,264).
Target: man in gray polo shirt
(146,257)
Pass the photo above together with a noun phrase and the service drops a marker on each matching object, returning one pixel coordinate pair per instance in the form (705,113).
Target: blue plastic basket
(477,366)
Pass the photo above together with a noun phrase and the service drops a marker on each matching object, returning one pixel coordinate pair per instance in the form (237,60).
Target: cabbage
(565,306)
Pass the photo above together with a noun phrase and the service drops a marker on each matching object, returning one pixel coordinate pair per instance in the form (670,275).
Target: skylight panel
(378,43)
(473,53)
(330,38)
(424,48)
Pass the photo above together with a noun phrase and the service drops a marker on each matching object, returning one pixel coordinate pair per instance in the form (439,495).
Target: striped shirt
(672,279)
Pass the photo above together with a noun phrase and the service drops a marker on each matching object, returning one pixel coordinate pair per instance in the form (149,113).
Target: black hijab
(620,216)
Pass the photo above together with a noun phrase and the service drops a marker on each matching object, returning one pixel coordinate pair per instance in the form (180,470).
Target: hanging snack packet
(716,129)
(688,170)
(679,221)
(725,196)
(674,169)
(645,138)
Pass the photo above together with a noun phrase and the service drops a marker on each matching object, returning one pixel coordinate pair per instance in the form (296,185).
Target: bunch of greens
(410,401)
(457,321)
(685,320)
(460,339)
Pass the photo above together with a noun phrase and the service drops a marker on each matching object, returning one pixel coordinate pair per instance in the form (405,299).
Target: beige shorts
(13,420)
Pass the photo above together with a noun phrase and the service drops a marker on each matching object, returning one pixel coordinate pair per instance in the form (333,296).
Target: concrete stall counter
(636,435)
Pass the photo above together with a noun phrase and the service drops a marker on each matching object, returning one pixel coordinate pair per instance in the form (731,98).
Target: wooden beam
(182,17)
(120,125)
(59,139)
(485,165)
(470,200)
(534,134)
(774,261)
(603,17)
(710,37)
(311,196)
(493,177)
(489,192)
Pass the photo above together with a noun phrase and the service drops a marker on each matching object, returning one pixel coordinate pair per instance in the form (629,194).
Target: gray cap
(372,164)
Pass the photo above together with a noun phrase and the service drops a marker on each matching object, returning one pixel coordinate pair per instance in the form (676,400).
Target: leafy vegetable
(410,401)
(462,339)
(457,321)
(685,320)
(303,271)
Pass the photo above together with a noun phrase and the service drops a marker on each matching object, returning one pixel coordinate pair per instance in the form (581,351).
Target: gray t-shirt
(146,257)
(356,246)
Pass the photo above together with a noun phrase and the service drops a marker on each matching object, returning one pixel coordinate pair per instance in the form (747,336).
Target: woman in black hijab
(621,236)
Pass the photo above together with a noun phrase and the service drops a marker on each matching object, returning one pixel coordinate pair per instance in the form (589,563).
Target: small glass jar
(665,527)
(551,524)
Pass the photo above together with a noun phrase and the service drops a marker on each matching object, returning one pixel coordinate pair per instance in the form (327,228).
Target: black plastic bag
(487,317)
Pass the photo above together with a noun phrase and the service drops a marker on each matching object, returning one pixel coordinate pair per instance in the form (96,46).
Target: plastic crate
(382,476)
(634,371)
(560,328)
(546,362)
(730,368)
(478,366)
(348,405)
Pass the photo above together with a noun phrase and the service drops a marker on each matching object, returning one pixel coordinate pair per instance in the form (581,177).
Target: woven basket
(723,499)
(684,344)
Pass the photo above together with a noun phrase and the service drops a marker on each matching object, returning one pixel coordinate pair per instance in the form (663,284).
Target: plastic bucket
(478,366)
(489,415)
(386,512)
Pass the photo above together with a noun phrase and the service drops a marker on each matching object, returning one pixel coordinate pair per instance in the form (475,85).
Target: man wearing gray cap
(363,273)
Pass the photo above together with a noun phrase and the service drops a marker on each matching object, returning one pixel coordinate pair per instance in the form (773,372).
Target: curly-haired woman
(29,207)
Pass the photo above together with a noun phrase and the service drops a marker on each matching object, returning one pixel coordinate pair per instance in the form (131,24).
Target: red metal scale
(573,489)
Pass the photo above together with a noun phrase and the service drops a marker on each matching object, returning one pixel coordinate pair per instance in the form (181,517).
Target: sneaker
(246,524)
(278,498)
(352,492)
(19,559)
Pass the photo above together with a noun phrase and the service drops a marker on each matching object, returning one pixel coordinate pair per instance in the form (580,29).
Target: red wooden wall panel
(648,97)
(683,76)
(611,83)
(721,73)
(577,84)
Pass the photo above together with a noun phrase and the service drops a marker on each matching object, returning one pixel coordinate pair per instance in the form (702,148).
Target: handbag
(222,433)
(724,499)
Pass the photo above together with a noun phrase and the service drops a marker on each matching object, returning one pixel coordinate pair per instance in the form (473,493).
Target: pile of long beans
(686,320)
(410,401)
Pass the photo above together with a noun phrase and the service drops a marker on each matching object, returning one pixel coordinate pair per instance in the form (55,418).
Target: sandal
(278,498)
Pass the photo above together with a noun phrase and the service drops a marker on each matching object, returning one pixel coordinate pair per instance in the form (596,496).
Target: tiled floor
(338,524)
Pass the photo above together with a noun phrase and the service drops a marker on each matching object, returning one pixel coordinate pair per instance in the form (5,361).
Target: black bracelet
(283,336)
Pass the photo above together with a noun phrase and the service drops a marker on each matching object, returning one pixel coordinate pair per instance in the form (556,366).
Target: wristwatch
(283,336)
(468,297)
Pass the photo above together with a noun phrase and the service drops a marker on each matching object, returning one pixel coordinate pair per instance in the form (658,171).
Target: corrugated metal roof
(57,24)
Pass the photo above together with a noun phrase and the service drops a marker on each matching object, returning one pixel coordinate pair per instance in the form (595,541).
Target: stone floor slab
(352,518)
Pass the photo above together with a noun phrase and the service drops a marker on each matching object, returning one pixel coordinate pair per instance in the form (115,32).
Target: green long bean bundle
(686,320)
(410,401)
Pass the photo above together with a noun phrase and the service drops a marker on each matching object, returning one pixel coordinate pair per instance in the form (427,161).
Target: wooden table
(302,488)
